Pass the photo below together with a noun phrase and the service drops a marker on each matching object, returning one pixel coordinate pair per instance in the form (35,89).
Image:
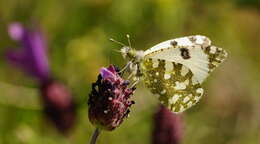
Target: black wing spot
(174,43)
(185,53)
(192,39)
(207,49)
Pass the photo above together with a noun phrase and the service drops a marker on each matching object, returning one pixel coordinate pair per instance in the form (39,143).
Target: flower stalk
(95,136)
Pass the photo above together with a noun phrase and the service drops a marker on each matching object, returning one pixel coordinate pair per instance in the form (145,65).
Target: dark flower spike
(32,56)
(58,105)
(168,127)
(109,100)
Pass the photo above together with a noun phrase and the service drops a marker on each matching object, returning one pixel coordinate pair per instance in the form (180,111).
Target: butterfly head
(128,52)
(131,54)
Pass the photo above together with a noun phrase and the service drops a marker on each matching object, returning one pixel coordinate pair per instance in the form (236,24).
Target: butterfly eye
(125,50)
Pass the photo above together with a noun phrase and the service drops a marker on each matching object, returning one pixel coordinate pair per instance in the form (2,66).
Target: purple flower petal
(37,49)
(16,31)
(15,57)
(106,73)
(112,69)
(32,57)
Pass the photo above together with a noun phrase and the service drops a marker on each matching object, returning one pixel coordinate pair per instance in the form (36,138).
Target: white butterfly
(175,69)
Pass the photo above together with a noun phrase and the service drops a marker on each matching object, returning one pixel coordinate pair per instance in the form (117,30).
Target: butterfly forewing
(195,52)
(216,56)
(180,42)
(175,84)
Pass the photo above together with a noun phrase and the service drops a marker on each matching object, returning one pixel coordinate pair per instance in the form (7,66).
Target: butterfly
(175,69)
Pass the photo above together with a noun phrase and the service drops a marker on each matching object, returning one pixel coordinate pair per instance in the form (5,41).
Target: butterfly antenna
(129,41)
(117,42)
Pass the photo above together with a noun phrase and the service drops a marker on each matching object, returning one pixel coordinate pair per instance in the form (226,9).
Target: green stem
(95,136)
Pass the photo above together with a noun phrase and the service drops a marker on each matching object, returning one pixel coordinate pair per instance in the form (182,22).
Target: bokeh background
(78,45)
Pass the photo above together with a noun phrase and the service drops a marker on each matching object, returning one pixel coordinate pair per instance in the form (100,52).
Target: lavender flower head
(109,100)
(32,56)
(168,127)
(32,59)
(58,105)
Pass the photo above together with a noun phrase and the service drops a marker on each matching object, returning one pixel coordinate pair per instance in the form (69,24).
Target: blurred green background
(78,33)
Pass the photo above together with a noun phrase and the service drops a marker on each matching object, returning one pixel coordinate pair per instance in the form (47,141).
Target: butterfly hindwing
(175,84)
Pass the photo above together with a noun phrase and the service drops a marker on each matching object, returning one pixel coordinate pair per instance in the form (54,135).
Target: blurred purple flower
(32,56)
(109,99)
(168,127)
(58,105)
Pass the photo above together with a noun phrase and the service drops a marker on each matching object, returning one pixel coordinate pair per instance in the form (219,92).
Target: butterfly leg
(133,70)
(125,67)
(136,81)
(131,75)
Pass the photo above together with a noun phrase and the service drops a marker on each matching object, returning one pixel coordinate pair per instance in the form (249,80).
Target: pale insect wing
(174,83)
(201,58)
(216,56)
(197,63)
(177,42)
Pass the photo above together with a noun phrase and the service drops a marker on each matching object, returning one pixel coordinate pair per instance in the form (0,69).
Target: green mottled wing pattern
(216,56)
(175,84)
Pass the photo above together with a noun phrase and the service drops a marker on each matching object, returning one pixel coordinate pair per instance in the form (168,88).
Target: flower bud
(109,100)
(58,105)
(168,127)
